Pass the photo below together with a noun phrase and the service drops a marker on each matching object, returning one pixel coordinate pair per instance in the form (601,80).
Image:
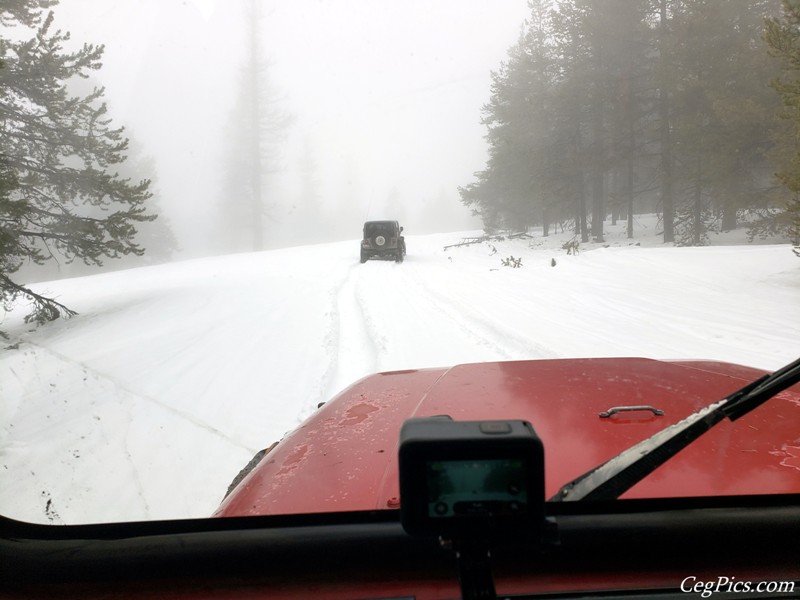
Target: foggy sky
(386,97)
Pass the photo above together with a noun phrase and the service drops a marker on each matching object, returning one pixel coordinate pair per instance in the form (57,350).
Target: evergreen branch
(45,309)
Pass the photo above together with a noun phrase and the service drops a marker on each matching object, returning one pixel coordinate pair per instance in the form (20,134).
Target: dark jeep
(382,239)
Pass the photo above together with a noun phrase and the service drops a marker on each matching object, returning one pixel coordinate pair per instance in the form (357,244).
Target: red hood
(343,458)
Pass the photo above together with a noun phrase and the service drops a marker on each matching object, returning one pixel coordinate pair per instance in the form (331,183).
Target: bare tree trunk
(630,164)
(256,201)
(582,208)
(545,222)
(729,217)
(667,206)
(629,197)
(614,196)
(697,226)
(598,210)
(580,188)
(599,150)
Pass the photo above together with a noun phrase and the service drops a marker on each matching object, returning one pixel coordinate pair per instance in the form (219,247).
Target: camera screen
(476,488)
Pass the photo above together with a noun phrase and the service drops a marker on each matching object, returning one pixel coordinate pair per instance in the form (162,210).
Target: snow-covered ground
(149,402)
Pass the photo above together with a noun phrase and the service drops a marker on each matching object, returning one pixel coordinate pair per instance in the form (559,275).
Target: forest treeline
(688,108)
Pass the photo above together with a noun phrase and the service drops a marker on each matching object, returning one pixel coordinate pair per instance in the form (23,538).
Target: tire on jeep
(248,467)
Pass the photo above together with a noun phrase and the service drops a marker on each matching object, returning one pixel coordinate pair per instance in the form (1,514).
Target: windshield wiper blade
(617,475)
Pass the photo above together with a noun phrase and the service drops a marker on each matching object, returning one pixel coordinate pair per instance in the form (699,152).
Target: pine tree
(664,86)
(257,129)
(156,236)
(723,113)
(59,157)
(514,191)
(23,12)
(783,38)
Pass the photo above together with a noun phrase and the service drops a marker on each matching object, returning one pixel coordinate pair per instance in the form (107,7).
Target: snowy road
(148,403)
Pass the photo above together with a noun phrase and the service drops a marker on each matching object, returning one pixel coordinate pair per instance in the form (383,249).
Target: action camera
(470,479)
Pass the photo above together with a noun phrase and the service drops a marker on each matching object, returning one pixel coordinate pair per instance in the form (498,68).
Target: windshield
(183,186)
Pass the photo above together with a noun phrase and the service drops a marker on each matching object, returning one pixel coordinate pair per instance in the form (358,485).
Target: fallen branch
(468,241)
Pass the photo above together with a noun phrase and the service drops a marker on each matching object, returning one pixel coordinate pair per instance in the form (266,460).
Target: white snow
(148,403)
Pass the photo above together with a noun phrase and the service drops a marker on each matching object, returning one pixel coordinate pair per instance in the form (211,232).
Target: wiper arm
(619,474)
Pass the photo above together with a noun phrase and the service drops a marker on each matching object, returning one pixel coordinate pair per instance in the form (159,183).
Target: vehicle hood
(344,457)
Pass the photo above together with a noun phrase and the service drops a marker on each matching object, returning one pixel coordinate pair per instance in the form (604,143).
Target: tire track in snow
(120,386)
(464,325)
(137,478)
(360,341)
(477,325)
(374,340)
(323,389)
(351,350)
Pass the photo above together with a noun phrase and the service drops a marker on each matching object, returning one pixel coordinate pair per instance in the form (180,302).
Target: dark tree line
(783,38)
(61,191)
(606,109)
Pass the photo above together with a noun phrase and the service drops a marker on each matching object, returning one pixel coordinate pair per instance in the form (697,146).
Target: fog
(385,100)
